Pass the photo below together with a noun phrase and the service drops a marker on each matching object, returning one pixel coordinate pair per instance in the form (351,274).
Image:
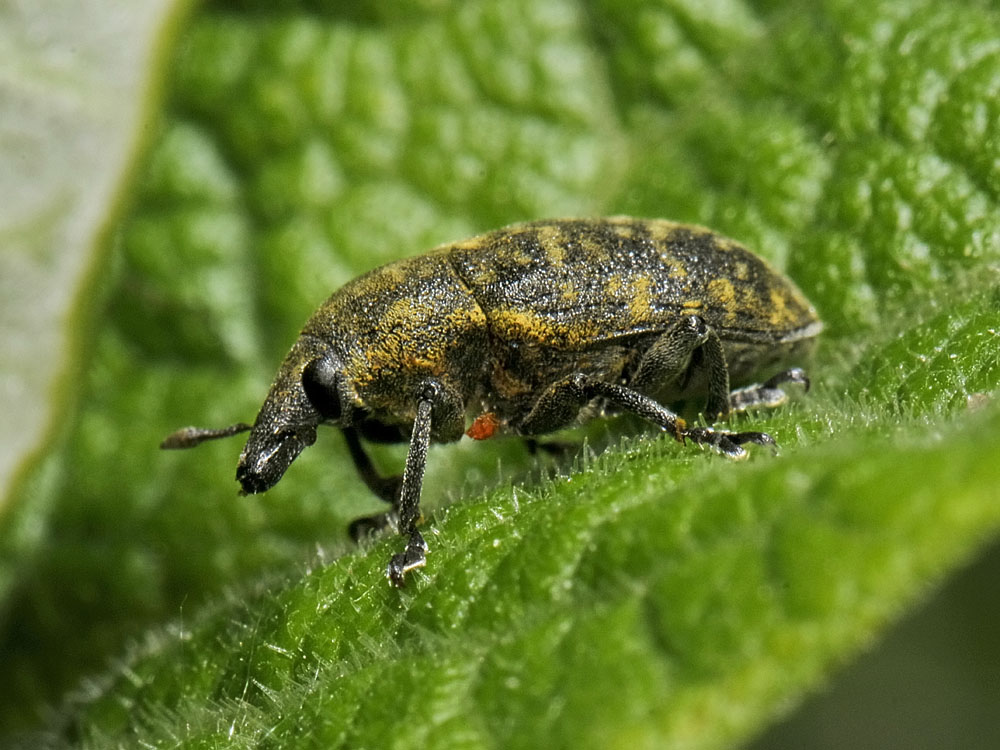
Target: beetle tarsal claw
(793,375)
(680,430)
(414,556)
(369,526)
(729,443)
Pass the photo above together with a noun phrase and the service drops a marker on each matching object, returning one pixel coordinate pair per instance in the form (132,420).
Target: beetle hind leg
(769,393)
(670,359)
(670,356)
(385,488)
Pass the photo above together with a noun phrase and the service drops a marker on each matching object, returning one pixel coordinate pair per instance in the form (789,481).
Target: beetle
(526,330)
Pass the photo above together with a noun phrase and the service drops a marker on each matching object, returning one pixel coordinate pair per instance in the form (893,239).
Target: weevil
(526,330)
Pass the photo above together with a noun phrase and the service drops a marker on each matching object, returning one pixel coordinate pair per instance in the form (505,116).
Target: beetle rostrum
(523,331)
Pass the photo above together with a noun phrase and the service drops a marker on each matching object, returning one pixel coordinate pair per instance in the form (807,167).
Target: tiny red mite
(527,330)
(484,426)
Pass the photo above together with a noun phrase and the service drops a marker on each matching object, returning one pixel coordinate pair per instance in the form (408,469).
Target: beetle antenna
(188,437)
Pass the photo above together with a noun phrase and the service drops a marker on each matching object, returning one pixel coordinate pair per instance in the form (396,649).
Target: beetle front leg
(385,488)
(442,406)
(409,498)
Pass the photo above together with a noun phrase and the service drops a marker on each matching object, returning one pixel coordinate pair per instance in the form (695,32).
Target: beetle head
(302,397)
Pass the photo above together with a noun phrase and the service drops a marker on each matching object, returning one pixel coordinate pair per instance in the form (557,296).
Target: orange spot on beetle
(484,426)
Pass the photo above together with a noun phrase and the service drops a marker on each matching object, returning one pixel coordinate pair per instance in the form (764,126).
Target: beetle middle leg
(562,401)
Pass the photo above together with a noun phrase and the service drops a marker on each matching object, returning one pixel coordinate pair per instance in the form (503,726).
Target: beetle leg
(670,356)
(408,506)
(386,488)
(768,393)
(557,407)
(562,401)
(438,404)
(413,557)
(559,404)
(729,443)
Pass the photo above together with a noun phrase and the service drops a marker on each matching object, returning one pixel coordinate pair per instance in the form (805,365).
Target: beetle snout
(251,482)
(265,460)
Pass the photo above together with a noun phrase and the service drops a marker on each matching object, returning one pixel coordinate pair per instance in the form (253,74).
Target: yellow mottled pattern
(722,294)
(661,231)
(676,268)
(781,316)
(552,238)
(541,285)
(642,300)
(625,229)
(524,325)
(410,314)
(417,339)
(724,243)
(507,384)
(473,243)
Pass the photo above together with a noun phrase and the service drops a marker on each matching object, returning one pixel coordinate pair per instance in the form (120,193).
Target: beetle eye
(319,380)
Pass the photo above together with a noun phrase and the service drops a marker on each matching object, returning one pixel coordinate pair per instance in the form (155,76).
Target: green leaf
(67,128)
(594,611)
(652,596)
(73,95)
